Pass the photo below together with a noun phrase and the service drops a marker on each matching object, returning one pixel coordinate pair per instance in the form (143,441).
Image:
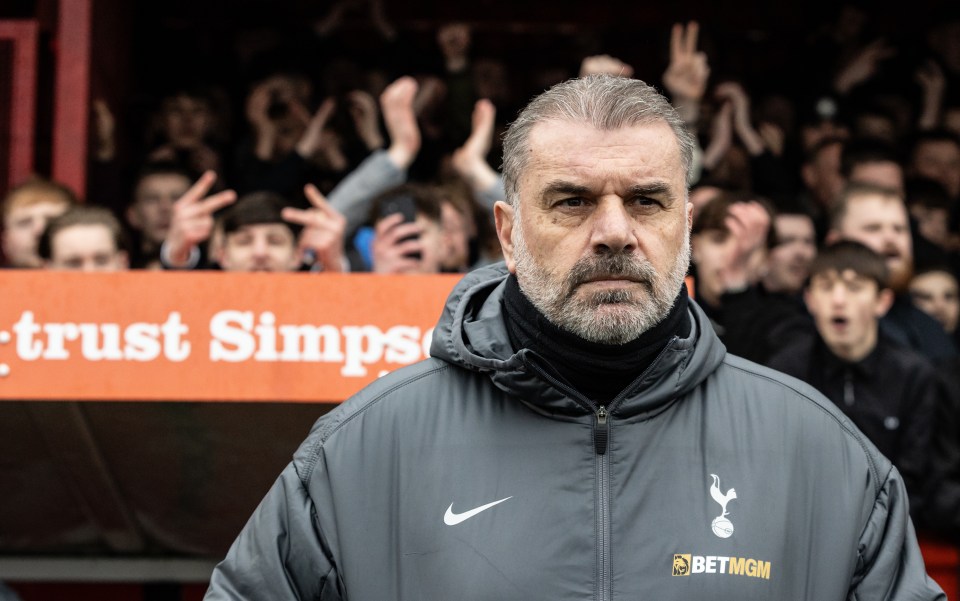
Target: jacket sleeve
(889,564)
(281,552)
(352,196)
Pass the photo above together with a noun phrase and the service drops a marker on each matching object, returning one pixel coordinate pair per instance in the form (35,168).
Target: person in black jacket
(888,391)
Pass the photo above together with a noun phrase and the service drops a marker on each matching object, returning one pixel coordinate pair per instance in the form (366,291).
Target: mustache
(619,265)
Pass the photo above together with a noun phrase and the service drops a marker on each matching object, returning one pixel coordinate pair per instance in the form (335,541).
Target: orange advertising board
(209,336)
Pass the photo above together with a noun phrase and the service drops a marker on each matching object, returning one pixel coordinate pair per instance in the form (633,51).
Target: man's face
(186,121)
(880,223)
(599,241)
(152,205)
(712,252)
(86,248)
(788,263)
(885,174)
(935,293)
(260,247)
(822,175)
(846,307)
(939,161)
(22,228)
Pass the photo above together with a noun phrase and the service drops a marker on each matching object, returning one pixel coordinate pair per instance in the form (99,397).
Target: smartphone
(406,206)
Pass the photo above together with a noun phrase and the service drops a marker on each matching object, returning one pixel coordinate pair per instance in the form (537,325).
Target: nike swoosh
(452,519)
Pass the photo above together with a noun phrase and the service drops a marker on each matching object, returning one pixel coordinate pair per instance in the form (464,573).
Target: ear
(503,215)
(123,260)
(884,302)
(833,236)
(689,215)
(807,299)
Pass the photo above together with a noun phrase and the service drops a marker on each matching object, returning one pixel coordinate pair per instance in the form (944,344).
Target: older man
(580,432)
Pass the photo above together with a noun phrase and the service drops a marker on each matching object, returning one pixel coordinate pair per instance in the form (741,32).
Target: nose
(838,294)
(260,247)
(612,227)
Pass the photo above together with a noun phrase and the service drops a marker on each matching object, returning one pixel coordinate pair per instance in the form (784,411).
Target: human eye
(571,202)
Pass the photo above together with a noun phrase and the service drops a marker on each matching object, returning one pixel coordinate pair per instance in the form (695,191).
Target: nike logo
(452,519)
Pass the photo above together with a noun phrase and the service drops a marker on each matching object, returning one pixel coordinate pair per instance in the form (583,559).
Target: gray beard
(606,316)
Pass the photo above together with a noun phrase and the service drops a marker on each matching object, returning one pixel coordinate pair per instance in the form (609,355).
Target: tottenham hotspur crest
(721,525)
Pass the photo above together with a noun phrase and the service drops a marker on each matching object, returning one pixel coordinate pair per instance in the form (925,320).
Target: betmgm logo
(686,564)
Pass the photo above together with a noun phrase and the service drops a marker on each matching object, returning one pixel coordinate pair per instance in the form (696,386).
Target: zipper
(601,441)
(848,396)
(603,526)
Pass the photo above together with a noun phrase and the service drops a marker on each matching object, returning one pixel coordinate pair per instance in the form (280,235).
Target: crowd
(825,242)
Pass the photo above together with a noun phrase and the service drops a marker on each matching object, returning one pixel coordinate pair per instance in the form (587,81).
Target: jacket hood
(472,334)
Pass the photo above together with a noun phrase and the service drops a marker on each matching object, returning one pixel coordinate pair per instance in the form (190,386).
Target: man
(158,186)
(258,233)
(877,218)
(793,250)
(935,292)
(580,433)
(888,391)
(84,239)
(403,246)
(732,244)
(936,155)
(26,211)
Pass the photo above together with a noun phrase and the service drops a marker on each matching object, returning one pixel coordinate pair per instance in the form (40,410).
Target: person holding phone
(408,231)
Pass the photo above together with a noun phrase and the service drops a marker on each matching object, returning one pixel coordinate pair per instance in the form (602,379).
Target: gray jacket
(473,475)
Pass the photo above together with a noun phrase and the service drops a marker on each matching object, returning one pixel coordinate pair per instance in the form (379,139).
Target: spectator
(404,246)
(877,218)
(888,391)
(935,292)
(936,155)
(84,239)
(185,126)
(157,187)
(26,210)
(731,245)
(793,250)
(258,234)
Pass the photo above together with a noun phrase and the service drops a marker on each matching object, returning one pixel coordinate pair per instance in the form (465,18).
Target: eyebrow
(562,187)
(651,189)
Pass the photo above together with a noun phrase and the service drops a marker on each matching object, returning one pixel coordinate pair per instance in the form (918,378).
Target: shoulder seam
(870,461)
(314,455)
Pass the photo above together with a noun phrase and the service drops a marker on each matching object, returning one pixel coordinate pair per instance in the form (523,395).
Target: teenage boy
(886,390)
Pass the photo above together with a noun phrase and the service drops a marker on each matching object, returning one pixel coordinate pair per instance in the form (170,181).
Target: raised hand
(734,93)
(396,102)
(863,66)
(686,75)
(933,84)
(192,219)
(470,160)
(748,223)
(396,245)
(323,230)
(104,129)
(312,136)
(365,114)
(264,128)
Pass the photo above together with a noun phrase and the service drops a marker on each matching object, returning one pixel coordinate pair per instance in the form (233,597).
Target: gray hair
(603,101)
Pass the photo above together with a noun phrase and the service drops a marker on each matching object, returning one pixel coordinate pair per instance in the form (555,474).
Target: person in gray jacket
(580,431)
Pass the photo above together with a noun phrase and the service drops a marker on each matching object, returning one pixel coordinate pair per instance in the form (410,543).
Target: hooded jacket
(475,475)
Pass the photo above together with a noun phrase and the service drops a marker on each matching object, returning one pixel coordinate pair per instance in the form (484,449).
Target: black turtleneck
(598,371)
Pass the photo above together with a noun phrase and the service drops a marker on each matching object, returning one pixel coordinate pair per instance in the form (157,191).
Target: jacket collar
(472,334)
